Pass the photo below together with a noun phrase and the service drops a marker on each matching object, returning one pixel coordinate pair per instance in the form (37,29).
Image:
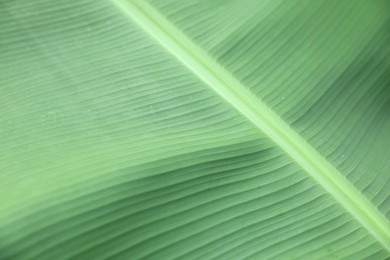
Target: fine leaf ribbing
(260,115)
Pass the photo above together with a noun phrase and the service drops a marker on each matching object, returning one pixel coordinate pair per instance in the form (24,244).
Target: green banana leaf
(194,129)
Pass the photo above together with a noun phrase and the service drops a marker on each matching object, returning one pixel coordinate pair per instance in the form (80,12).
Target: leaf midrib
(258,113)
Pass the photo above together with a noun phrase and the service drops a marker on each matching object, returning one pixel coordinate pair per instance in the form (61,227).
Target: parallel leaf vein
(258,113)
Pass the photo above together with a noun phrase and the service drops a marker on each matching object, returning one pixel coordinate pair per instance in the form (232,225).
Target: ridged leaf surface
(167,129)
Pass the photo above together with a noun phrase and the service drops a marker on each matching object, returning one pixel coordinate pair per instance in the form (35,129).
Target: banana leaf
(194,129)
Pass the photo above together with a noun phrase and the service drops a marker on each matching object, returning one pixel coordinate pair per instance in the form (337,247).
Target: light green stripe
(222,82)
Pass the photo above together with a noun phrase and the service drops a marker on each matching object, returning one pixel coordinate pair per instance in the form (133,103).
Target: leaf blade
(261,116)
(169,170)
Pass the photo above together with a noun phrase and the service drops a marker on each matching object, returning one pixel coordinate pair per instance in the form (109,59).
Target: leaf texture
(112,147)
(314,68)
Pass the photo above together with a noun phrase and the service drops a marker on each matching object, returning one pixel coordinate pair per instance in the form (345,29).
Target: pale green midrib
(221,81)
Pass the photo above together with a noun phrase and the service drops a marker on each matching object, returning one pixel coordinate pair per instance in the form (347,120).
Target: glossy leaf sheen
(194,129)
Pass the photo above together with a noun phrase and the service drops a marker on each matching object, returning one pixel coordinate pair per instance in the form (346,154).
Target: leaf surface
(194,129)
